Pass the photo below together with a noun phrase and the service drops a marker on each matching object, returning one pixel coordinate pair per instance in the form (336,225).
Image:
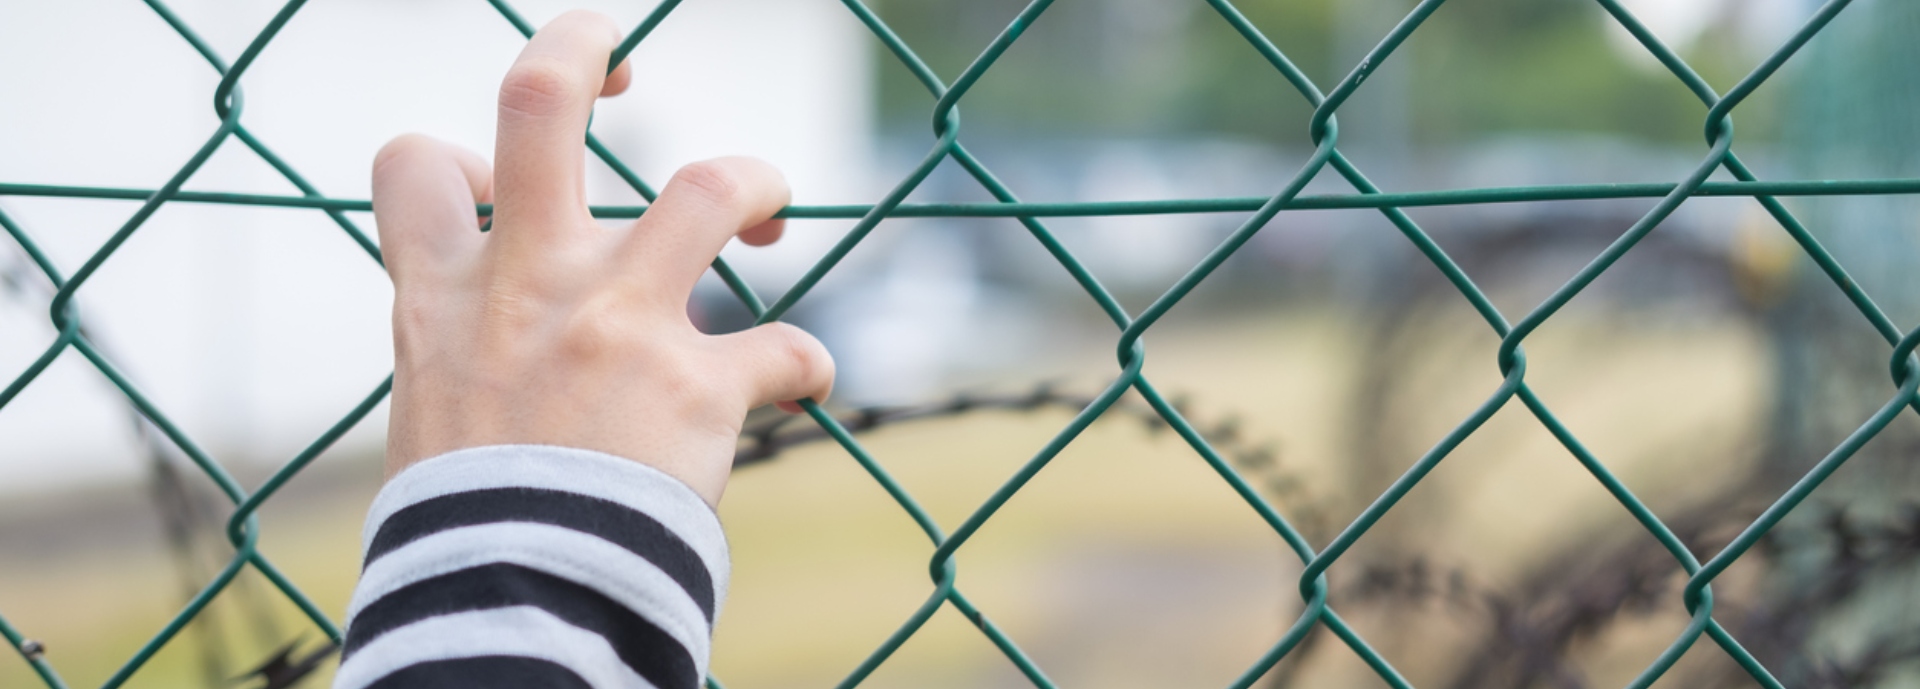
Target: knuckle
(683,384)
(401,149)
(540,87)
(503,311)
(590,18)
(714,181)
(683,381)
(800,355)
(600,330)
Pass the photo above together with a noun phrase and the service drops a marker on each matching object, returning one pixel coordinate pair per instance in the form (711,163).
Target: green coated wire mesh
(1326,159)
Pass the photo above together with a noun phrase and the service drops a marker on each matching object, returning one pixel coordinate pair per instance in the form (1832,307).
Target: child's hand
(551,329)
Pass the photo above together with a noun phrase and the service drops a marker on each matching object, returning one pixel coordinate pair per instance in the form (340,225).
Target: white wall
(256,328)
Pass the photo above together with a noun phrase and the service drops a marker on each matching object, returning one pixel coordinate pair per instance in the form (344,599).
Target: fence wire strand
(243,531)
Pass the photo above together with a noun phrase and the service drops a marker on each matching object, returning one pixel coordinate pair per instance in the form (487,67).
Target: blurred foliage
(1153,68)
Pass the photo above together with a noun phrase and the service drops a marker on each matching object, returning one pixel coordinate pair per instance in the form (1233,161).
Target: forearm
(519,565)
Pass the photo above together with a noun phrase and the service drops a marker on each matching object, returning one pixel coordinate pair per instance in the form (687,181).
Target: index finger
(545,102)
(423,197)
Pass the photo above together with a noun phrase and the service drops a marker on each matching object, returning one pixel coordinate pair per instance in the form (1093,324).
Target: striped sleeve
(524,566)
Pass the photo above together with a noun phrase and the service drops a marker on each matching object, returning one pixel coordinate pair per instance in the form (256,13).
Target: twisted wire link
(1323,133)
(243,528)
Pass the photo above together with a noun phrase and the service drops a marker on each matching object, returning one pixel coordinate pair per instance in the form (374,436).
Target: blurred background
(1708,369)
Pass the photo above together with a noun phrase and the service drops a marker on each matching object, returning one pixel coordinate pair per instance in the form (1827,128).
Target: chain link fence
(243,530)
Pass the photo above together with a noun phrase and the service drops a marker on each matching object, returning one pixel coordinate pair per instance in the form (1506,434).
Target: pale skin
(553,329)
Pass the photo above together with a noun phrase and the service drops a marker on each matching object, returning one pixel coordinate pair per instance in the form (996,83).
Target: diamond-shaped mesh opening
(1704,633)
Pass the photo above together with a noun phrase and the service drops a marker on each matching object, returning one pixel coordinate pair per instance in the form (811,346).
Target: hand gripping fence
(244,532)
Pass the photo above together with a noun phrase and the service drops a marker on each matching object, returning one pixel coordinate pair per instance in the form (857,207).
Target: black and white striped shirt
(535,566)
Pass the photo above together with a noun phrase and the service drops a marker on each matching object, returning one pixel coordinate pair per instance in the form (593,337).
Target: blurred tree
(1150,68)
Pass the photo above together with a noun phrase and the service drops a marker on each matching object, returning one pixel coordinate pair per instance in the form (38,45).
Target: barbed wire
(1533,628)
(1316,616)
(772,433)
(189,516)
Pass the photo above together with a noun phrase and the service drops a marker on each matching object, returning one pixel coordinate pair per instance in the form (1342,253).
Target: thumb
(779,363)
